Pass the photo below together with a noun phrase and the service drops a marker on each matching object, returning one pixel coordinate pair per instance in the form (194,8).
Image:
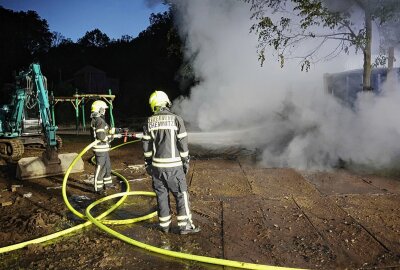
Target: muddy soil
(282,217)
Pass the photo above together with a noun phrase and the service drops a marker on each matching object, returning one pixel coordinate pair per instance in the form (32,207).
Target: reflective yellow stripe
(186,200)
(148,154)
(181,135)
(165,218)
(146,137)
(163,127)
(165,160)
(182,223)
(165,224)
(184,154)
(100,130)
(182,217)
(101,150)
(100,146)
(167,165)
(96,180)
(172,142)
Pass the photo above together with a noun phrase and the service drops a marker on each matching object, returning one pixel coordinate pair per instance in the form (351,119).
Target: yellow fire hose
(100,224)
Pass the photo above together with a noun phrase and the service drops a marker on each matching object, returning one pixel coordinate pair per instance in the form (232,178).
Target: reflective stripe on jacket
(100,130)
(165,139)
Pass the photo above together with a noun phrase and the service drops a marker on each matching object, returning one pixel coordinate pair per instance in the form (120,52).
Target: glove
(112,131)
(185,164)
(148,166)
(110,138)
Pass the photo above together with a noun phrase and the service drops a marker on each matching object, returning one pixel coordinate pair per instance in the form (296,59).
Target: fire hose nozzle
(137,135)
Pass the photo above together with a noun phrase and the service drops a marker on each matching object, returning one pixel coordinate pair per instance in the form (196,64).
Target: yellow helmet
(99,106)
(158,99)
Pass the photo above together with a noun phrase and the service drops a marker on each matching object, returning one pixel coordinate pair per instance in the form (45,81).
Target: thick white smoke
(283,113)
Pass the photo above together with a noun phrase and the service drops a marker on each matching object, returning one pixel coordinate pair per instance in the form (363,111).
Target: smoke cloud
(283,113)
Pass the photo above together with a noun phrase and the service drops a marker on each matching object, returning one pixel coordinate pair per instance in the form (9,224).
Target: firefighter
(166,153)
(101,131)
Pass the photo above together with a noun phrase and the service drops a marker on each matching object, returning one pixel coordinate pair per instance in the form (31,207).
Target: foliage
(140,64)
(389,37)
(24,36)
(283,24)
(94,38)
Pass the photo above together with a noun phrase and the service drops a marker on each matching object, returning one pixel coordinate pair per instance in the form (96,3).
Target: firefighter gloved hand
(110,138)
(185,165)
(148,166)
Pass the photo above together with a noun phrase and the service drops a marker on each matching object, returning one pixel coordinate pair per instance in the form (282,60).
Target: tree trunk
(367,52)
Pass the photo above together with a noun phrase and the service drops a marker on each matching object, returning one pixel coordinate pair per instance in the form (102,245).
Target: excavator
(27,122)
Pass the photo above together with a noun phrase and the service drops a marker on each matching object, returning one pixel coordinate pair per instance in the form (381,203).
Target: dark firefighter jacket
(99,131)
(165,139)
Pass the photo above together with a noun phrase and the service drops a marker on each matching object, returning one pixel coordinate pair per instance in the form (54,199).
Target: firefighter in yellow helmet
(166,153)
(101,131)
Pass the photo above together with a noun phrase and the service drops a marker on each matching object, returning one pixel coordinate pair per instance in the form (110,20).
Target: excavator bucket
(38,167)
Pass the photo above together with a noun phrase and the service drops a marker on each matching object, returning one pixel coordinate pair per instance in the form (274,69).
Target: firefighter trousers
(102,174)
(171,180)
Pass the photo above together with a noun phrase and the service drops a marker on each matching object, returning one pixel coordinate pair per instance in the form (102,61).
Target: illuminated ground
(282,217)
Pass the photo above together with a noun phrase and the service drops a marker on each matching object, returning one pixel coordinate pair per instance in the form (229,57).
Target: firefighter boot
(189,228)
(165,229)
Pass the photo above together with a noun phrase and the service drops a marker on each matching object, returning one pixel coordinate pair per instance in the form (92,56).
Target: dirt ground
(279,216)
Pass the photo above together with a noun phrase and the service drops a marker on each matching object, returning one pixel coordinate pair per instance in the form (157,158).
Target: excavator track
(11,149)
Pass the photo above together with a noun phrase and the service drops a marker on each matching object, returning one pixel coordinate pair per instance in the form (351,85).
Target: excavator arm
(49,128)
(50,156)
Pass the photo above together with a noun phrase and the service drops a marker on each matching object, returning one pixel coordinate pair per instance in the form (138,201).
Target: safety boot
(102,192)
(110,186)
(188,229)
(165,229)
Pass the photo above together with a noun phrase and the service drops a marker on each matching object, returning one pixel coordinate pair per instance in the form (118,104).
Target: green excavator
(28,122)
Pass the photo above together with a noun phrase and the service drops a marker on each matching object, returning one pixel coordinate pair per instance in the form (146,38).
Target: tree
(94,38)
(389,39)
(284,24)
(59,39)
(24,37)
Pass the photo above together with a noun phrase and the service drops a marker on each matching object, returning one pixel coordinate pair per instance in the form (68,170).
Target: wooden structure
(79,101)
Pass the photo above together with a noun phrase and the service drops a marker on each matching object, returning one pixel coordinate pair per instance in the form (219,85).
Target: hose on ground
(101,223)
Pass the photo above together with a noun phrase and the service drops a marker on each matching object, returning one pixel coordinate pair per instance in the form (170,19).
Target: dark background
(131,67)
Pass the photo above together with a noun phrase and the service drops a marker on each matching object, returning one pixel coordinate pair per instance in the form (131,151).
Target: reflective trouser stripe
(165,221)
(98,183)
(184,220)
(103,171)
(172,181)
(107,180)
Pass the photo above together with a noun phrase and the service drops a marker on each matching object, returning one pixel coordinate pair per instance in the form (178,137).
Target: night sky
(73,18)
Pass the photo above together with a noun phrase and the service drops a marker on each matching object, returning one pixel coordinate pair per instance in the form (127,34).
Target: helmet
(99,106)
(158,99)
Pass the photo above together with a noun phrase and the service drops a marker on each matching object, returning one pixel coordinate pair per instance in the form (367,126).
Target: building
(93,80)
(346,85)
